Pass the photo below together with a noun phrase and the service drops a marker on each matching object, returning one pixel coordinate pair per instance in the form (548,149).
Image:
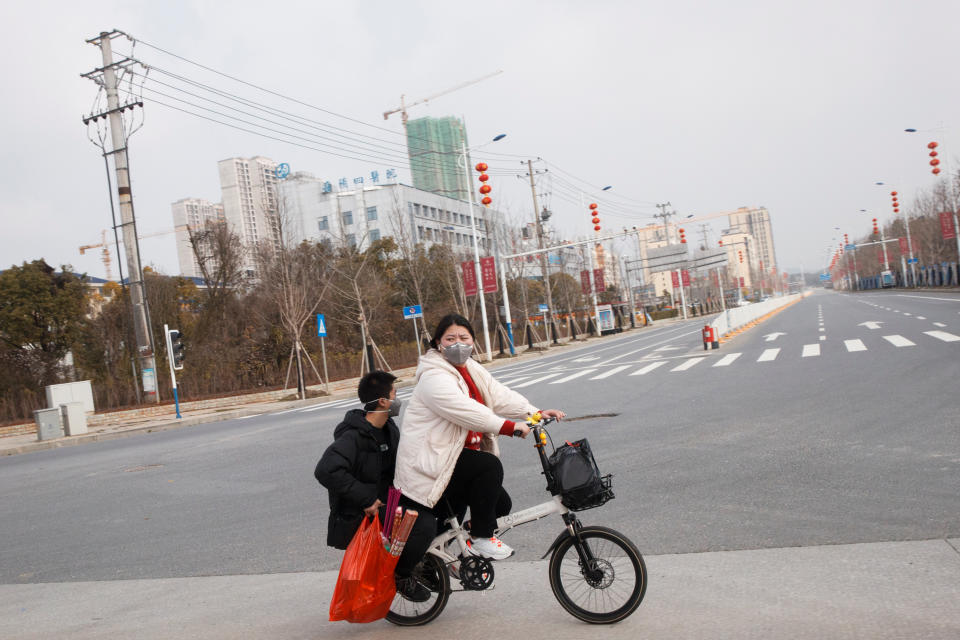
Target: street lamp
(950,178)
(906,224)
(476,246)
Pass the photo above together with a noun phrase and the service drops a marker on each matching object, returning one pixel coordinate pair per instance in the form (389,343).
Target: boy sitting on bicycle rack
(357,471)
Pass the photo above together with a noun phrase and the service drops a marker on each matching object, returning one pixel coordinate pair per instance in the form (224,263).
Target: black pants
(476,483)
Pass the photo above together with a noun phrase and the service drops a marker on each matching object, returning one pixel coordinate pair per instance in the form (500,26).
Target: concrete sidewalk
(875,590)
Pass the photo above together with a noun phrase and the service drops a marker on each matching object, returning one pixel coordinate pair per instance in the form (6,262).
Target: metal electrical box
(48,423)
(74,418)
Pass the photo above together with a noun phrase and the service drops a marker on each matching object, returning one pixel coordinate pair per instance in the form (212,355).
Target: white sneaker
(492,548)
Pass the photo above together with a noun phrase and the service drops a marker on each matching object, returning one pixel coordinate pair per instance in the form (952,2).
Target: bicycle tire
(570,584)
(431,572)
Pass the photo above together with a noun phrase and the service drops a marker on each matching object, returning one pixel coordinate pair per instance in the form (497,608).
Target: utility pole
(666,238)
(543,256)
(118,138)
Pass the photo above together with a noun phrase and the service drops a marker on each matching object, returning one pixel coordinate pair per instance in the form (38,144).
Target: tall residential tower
(435,145)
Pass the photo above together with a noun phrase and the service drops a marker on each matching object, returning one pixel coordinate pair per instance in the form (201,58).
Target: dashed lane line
(942,335)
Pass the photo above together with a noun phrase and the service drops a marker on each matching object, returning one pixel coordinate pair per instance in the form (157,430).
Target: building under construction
(435,145)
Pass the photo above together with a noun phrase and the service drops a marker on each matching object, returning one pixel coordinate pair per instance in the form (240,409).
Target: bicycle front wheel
(432,573)
(603,581)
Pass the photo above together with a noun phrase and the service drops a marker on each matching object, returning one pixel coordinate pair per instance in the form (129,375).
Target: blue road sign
(321,326)
(913,260)
(282,170)
(542,308)
(413,311)
(824,276)
(850,247)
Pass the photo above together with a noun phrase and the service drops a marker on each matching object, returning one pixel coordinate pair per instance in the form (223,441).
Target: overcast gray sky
(796,106)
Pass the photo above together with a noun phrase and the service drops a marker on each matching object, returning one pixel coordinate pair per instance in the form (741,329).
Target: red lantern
(596,228)
(896,210)
(595,220)
(481,167)
(893,193)
(934,162)
(483,177)
(486,200)
(932,145)
(933,154)
(485,189)
(936,170)
(593,205)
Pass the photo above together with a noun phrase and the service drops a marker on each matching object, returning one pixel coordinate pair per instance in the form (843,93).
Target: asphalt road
(852,442)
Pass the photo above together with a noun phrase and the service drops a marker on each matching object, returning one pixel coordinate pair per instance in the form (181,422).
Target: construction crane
(402,109)
(104,253)
(105,247)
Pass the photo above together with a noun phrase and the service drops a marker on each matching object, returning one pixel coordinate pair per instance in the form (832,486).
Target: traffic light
(176,348)
(683,236)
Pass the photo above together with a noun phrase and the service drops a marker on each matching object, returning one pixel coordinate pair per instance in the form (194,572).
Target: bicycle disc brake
(476,573)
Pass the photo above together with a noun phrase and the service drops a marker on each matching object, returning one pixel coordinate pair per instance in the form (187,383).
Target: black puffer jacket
(350,469)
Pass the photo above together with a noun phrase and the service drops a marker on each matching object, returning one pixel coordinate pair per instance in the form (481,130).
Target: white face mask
(458,354)
(392,412)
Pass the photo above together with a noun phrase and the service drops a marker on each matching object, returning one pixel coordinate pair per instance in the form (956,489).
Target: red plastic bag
(365,587)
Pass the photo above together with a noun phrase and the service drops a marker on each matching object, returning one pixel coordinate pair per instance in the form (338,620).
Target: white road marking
(250,416)
(906,314)
(898,341)
(939,324)
(942,335)
(536,380)
(822,329)
(727,360)
(509,381)
(280,413)
(572,376)
(607,374)
(768,355)
(855,345)
(920,318)
(686,365)
(823,337)
(810,350)
(650,367)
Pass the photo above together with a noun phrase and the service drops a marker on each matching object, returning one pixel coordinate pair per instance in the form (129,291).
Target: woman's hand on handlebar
(520,430)
(553,413)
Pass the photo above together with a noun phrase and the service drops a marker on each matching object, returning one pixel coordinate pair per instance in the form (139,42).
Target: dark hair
(375,385)
(448,321)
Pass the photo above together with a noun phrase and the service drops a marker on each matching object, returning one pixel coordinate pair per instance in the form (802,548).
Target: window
(371,213)
(323,223)
(351,240)
(347,218)
(419,233)
(374,235)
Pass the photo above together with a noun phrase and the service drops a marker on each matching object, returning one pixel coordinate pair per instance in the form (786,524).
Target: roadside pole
(506,306)
(413,312)
(322,334)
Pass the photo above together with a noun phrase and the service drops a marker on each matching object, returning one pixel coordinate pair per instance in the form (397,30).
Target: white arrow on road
(773,336)
(668,348)
(873,324)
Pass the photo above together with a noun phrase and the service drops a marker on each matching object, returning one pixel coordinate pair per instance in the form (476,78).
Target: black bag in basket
(577,476)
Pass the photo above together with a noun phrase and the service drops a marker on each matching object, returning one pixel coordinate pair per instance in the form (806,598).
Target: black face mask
(392,412)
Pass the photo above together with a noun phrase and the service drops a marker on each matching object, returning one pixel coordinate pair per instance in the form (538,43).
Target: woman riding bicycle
(448,444)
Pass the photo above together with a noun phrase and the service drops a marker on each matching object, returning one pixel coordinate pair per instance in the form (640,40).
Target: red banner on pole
(488,274)
(686,277)
(903,246)
(946,225)
(598,280)
(675,279)
(469,278)
(715,278)
(585,282)
(741,282)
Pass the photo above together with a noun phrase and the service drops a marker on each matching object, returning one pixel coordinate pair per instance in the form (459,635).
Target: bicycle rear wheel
(601,583)
(431,573)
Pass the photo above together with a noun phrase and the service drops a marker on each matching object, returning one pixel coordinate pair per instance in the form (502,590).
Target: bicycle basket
(577,478)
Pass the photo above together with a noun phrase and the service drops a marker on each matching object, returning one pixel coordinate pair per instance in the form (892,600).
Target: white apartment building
(192,214)
(249,193)
(755,221)
(737,244)
(654,236)
(314,210)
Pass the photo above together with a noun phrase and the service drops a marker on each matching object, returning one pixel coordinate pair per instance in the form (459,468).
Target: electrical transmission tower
(107,78)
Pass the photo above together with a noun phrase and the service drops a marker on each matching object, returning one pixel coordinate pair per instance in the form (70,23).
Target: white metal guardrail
(733,319)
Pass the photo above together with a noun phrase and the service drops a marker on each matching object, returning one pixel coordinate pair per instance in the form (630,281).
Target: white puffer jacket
(437,419)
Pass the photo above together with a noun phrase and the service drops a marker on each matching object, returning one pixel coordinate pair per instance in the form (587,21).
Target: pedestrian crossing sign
(321,326)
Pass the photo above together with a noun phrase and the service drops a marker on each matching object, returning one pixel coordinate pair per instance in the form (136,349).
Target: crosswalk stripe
(942,335)
(650,367)
(513,380)
(939,324)
(536,380)
(727,360)
(768,355)
(686,365)
(898,341)
(614,371)
(810,350)
(855,345)
(582,372)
